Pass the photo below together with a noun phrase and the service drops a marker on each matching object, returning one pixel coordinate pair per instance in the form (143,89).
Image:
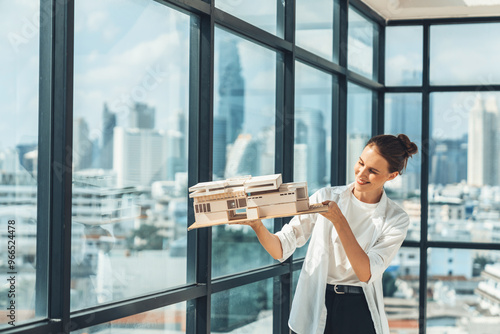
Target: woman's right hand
(252,223)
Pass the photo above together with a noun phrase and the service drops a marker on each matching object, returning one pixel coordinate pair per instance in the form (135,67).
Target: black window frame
(55,150)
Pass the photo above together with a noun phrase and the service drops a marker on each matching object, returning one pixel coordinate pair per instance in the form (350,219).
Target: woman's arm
(269,241)
(357,257)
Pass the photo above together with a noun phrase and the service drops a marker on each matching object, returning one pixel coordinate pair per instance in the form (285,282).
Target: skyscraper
(219,147)
(311,131)
(231,89)
(176,147)
(483,143)
(139,157)
(82,146)
(243,157)
(141,116)
(108,124)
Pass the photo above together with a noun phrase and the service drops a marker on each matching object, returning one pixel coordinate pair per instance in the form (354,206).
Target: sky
(140,52)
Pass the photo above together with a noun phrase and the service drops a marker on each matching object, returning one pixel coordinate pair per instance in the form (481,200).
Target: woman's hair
(395,150)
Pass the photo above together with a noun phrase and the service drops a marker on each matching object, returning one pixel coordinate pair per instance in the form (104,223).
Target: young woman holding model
(352,244)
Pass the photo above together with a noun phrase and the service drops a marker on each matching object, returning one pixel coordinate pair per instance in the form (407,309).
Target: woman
(340,286)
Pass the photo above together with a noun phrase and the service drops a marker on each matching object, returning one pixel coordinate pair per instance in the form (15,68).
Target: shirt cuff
(288,241)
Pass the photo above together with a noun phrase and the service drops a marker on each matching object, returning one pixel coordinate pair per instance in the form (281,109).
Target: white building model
(247,198)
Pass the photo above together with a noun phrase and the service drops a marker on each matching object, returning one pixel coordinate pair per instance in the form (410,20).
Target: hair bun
(411,147)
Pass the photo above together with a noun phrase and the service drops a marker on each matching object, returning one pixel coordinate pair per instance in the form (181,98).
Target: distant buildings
(108,125)
(484,143)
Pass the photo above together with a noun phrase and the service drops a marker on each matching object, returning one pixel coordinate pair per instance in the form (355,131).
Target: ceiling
(419,9)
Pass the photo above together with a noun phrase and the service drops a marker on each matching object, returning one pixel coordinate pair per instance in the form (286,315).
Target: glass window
(244,136)
(359,124)
(465,54)
(464,179)
(246,309)
(403,56)
(403,114)
(261,13)
(400,283)
(19,65)
(361,48)
(313,127)
(170,319)
(462,294)
(314,27)
(129,150)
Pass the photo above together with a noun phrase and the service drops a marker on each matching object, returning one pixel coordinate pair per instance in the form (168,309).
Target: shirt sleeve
(298,230)
(387,246)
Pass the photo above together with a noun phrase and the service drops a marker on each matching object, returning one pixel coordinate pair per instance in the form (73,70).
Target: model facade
(248,198)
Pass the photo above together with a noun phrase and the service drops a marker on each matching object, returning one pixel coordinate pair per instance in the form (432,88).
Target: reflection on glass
(18,160)
(464,179)
(465,54)
(463,291)
(403,55)
(313,130)
(360,50)
(170,319)
(295,281)
(260,13)
(359,124)
(401,287)
(403,115)
(246,309)
(314,27)
(244,135)
(129,150)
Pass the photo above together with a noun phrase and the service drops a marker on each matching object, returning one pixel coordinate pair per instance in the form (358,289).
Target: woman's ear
(392,176)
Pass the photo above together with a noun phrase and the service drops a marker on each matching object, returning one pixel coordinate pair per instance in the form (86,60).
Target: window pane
(246,309)
(401,287)
(313,127)
(130,150)
(261,13)
(403,56)
(465,54)
(359,124)
(19,27)
(361,48)
(403,114)
(463,289)
(170,319)
(463,164)
(314,27)
(244,135)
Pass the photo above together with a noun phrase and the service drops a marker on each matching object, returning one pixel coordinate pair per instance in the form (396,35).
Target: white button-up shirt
(308,313)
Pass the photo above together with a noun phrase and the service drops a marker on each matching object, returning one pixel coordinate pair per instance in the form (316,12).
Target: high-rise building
(139,156)
(243,157)
(310,130)
(108,124)
(483,143)
(448,161)
(142,116)
(355,145)
(231,89)
(219,147)
(82,145)
(176,147)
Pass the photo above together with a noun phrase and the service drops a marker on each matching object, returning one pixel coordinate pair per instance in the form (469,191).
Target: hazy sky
(136,50)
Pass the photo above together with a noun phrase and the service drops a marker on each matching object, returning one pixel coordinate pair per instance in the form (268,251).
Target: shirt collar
(381,208)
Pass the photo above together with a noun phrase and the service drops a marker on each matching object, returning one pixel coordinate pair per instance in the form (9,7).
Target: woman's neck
(368,197)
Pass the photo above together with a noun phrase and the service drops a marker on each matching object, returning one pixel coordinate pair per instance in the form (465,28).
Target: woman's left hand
(333,214)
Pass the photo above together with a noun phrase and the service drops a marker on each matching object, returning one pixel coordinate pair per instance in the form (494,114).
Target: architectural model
(247,198)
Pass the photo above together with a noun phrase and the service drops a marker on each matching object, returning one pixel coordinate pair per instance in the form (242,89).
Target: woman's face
(371,172)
